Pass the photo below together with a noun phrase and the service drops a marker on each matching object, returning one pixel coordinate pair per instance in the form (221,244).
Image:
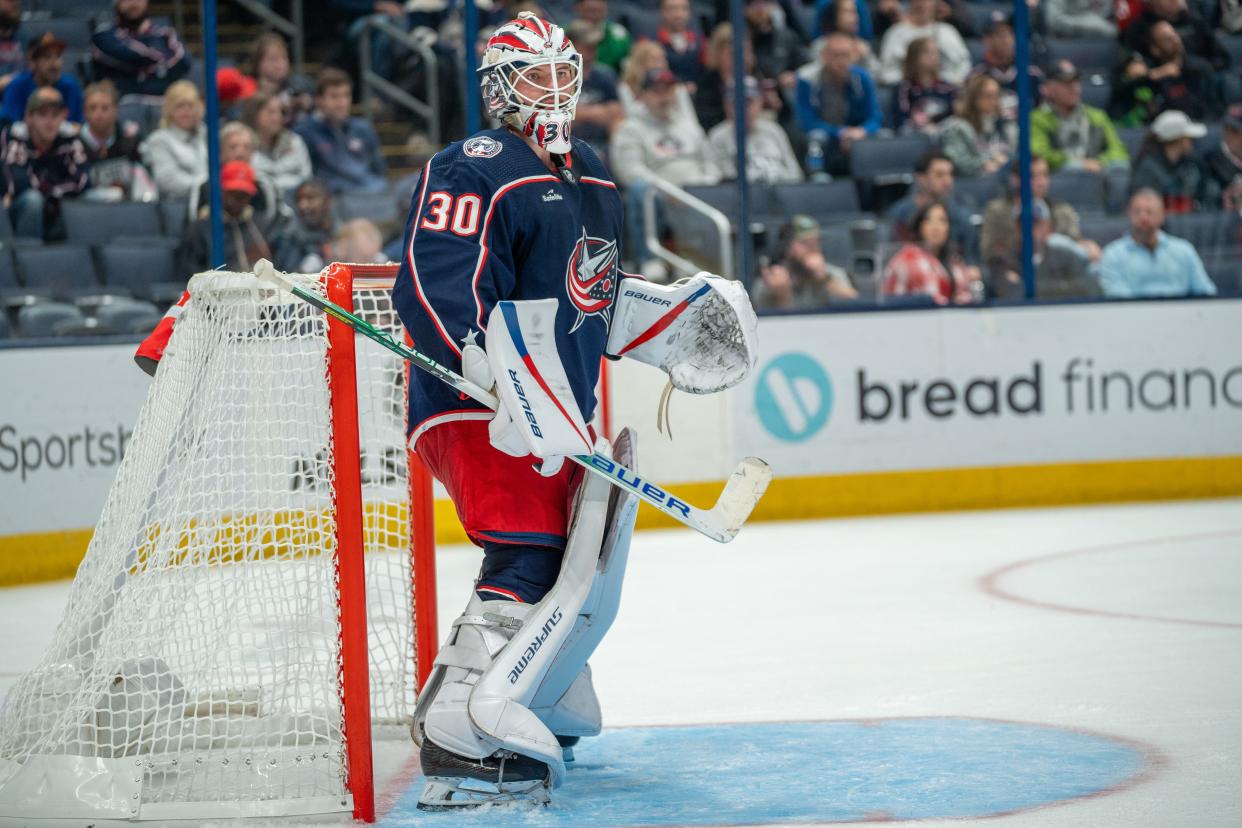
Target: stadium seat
(880,158)
(724,197)
(144,110)
(1210,233)
(909,300)
(643,23)
(1103,229)
(65,270)
(73,8)
(75,31)
(380,208)
(46,318)
(818,198)
(1097,94)
(128,316)
(1132,137)
(92,222)
(1084,190)
(1233,44)
(8,272)
(175,214)
(1211,140)
(1226,274)
(147,271)
(1087,54)
(976,192)
(4,327)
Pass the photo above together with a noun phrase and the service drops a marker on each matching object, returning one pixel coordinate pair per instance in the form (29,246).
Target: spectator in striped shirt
(138,55)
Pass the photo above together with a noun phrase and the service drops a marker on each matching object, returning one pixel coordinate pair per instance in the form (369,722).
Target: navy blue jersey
(490,222)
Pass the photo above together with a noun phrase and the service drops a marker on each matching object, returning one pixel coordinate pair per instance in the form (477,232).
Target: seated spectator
(977,139)
(717,74)
(269,65)
(769,157)
(933,182)
(614,40)
(1149,263)
(996,234)
(112,148)
(46,58)
(853,19)
(345,150)
(1224,163)
(12,42)
(836,103)
(1169,78)
(1070,135)
(923,99)
(1080,18)
(1191,29)
(1062,269)
(599,105)
(239,143)
(140,56)
(176,153)
(44,162)
(920,21)
(304,244)
(801,278)
(929,264)
(682,42)
(245,239)
(1167,163)
(999,62)
(358,241)
(648,56)
(652,143)
(280,154)
(778,49)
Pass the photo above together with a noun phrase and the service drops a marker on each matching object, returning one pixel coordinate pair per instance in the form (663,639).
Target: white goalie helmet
(531,77)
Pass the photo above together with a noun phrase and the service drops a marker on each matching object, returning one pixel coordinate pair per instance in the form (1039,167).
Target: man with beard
(138,55)
(1171,78)
(12,42)
(46,59)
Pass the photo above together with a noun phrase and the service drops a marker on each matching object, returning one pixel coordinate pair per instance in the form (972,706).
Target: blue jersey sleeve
(458,258)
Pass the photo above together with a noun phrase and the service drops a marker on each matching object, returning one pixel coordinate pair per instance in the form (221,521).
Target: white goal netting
(196,669)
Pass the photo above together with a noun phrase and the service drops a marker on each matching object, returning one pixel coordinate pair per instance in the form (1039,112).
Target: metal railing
(718,220)
(374,83)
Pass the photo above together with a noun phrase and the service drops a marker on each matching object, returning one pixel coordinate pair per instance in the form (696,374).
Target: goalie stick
(721,522)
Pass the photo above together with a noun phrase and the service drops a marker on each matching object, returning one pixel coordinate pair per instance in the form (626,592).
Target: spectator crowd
(1138,100)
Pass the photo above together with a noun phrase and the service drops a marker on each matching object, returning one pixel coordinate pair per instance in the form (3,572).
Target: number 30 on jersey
(461,217)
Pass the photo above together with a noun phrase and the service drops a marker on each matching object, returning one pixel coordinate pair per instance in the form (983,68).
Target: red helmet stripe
(512,41)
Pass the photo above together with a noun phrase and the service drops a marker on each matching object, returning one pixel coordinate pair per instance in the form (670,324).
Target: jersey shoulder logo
(482,146)
(591,278)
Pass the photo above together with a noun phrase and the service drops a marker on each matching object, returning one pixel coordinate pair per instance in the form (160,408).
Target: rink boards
(857,413)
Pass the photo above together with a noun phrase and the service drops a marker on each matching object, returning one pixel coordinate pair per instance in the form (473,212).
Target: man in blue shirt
(12,42)
(1149,263)
(47,68)
(345,151)
(837,103)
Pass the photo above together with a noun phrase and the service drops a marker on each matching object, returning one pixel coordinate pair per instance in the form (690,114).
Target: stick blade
(742,493)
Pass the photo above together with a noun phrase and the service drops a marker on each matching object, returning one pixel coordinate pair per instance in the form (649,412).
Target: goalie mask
(531,76)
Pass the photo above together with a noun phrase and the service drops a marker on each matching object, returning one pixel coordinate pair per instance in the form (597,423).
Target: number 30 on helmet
(531,77)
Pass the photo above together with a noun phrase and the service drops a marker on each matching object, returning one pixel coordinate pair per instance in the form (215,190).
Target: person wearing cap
(769,157)
(1080,18)
(1167,163)
(836,102)
(1147,262)
(1069,134)
(12,42)
(1062,268)
(800,277)
(44,162)
(599,110)
(245,241)
(46,59)
(140,56)
(238,142)
(998,61)
(345,150)
(176,153)
(1169,77)
(1224,162)
(920,21)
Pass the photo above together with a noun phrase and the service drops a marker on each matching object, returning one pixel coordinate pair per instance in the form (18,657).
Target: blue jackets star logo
(591,278)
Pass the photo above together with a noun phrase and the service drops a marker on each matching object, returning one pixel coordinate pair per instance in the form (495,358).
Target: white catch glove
(538,413)
(700,331)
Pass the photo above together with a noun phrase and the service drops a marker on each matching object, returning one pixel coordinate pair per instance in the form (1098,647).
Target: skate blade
(445,793)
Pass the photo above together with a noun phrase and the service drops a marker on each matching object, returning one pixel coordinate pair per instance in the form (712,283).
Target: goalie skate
(504,779)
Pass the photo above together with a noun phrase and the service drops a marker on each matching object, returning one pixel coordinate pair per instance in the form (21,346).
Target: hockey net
(253,550)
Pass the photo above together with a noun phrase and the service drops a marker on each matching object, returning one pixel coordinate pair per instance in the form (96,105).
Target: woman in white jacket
(281,153)
(176,153)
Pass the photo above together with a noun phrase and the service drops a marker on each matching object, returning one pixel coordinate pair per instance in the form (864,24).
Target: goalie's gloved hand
(502,431)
